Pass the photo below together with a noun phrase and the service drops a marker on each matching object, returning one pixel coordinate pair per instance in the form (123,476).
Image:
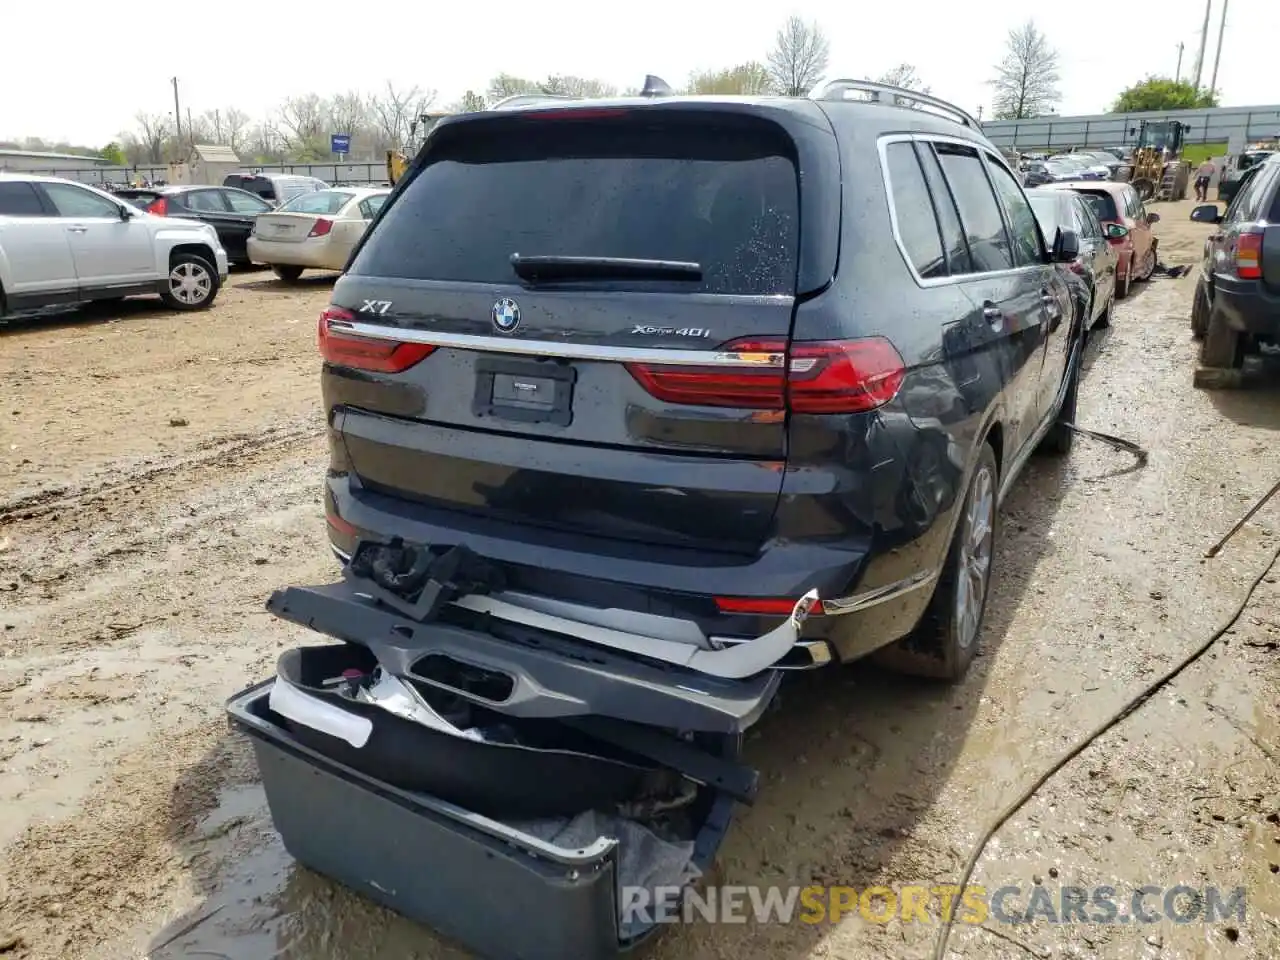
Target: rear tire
(1200,312)
(289,274)
(1223,346)
(1148,265)
(945,641)
(192,283)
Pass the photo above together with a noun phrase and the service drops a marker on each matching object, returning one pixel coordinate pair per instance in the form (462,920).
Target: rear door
(597,398)
(1005,286)
(34,243)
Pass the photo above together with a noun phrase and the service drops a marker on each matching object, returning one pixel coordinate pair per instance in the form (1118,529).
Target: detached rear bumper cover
(552,677)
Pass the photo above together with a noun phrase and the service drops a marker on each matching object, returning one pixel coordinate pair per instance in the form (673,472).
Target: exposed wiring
(944,934)
(1213,551)
(1118,442)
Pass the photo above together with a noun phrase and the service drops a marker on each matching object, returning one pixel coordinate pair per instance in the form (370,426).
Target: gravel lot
(161,474)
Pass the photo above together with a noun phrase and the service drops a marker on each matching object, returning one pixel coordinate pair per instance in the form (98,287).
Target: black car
(1092,274)
(1237,299)
(666,365)
(1040,172)
(230,211)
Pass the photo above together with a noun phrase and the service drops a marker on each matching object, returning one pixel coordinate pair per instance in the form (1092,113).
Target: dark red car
(1127,226)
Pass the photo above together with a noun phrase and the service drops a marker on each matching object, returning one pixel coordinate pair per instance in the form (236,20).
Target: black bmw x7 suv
(672,363)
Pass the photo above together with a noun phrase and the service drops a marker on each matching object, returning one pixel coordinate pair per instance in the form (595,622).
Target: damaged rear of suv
(632,406)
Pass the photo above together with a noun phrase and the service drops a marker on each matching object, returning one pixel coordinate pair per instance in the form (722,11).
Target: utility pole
(1222,28)
(177,111)
(1204,37)
(1177,74)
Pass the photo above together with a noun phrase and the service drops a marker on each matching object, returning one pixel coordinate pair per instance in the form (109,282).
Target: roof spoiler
(892,96)
(528,100)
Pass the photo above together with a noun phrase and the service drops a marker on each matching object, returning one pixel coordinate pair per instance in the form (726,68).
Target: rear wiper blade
(602,268)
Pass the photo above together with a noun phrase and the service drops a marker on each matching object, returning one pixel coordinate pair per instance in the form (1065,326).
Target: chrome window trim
(882,147)
(552,348)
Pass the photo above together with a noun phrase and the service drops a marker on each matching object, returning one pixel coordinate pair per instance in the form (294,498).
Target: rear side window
(953,241)
(1048,214)
(320,201)
(720,194)
(979,211)
(18,199)
(913,212)
(1103,203)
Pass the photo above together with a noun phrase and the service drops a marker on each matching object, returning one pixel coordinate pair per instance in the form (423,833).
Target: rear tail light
(158,207)
(1249,256)
(762,606)
(846,376)
(365,353)
(321,228)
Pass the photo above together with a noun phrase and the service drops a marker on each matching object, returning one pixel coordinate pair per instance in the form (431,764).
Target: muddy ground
(159,476)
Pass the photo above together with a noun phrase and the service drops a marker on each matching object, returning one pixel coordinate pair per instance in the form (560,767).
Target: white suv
(65,242)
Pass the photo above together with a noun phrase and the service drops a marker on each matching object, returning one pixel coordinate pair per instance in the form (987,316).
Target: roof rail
(528,99)
(884,93)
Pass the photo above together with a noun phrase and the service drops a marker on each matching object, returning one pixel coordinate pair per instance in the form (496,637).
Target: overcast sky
(85,81)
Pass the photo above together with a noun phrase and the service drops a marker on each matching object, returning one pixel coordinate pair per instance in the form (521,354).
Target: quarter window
(979,211)
(913,212)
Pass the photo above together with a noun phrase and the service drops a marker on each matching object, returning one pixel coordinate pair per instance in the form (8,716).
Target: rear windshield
(319,201)
(723,195)
(1047,211)
(257,185)
(1104,205)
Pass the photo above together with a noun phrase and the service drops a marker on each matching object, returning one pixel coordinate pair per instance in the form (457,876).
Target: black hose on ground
(944,935)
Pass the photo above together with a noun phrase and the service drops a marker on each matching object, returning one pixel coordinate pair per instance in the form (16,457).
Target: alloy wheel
(975,556)
(190,283)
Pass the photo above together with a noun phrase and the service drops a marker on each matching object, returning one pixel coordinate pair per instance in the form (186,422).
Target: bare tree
(1026,82)
(799,57)
(469,102)
(395,111)
(749,79)
(154,131)
(235,127)
(303,123)
(265,143)
(565,85)
(904,75)
(505,85)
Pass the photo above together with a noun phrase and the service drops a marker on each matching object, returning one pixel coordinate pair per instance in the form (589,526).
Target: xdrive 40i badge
(647,331)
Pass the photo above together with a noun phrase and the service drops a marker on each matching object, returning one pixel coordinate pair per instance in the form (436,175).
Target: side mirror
(126,213)
(1117,231)
(1066,247)
(1153,218)
(1207,213)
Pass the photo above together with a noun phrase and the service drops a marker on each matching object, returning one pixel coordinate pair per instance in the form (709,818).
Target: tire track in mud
(221,454)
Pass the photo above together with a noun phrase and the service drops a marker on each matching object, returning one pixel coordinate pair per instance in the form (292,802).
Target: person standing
(1204,173)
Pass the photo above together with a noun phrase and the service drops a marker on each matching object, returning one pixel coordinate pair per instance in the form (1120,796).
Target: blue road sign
(340,143)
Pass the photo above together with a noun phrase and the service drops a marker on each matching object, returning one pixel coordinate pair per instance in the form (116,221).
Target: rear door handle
(76,229)
(992,314)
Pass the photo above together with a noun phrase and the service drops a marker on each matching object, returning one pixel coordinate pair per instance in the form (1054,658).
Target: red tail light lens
(846,376)
(365,353)
(158,207)
(322,228)
(761,606)
(1249,256)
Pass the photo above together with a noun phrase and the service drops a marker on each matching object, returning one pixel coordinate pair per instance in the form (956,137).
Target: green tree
(1161,93)
(112,154)
(749,79)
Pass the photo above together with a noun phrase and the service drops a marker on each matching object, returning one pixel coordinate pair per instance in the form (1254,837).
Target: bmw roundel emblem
(506,315)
